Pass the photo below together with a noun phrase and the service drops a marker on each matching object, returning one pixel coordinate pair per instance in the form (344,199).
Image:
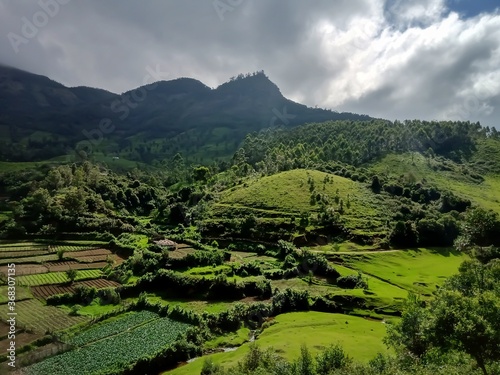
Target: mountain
(42,119)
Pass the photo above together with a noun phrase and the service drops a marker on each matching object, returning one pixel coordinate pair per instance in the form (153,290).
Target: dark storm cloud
(389,59)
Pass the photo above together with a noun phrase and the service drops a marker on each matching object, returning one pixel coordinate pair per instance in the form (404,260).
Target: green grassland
(361,338)
(447,175)
(417,270)
(288,195)
(198,306)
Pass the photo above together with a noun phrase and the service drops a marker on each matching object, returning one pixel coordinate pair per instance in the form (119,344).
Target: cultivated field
(33,315)
(104,353)
(49,290)
(56,277)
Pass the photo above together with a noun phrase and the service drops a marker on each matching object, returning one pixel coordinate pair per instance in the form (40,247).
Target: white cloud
(391,59)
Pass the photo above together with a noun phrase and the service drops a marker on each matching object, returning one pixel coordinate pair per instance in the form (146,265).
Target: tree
(479,229)
(71,274)
(201,173)
(462,317)
(60,253)
(74,202)
(468,324)
(410,333)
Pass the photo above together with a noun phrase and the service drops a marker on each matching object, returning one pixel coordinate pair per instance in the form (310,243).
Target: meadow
(360,337)
(417,270)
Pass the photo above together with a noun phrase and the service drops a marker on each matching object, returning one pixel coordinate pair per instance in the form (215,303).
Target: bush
(332,358)
(210,368)
(351,281)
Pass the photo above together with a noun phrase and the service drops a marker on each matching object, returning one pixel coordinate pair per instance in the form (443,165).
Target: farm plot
(4,329)
(90,256)
(56,277)
(45,291)
(94,252)
(30,259)
(22,254)
(22,246)
(64,266)
(114,352)
(21,294)
(180,253)
(113,327)
(22,339)
(33,315)
(26,269)
(70,248)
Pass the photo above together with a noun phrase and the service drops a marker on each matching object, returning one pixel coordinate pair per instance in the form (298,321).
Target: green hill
(462,180)
(288,196)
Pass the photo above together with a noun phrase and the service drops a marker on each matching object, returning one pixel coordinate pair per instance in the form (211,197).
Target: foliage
(116,353)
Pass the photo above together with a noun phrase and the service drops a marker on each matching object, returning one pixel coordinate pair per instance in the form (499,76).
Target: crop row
(34,315)
(113,353)
(56,277)
(69,248)
(31,259)
(113,327)
(22,254)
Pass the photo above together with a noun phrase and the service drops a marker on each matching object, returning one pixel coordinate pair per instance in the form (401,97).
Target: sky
(394,59)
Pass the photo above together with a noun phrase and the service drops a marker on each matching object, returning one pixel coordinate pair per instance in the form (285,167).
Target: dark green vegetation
(379,238)
(150,123)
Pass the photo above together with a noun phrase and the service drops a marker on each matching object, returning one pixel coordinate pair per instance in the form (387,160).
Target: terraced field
(56,277)
(32,314)
(45,291)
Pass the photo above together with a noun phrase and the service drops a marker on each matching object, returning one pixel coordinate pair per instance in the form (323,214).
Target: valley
(214,244)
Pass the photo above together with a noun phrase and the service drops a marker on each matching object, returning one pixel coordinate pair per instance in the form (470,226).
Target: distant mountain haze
(42,119)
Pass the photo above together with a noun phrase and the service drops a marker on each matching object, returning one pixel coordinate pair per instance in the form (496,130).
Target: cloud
(391,59)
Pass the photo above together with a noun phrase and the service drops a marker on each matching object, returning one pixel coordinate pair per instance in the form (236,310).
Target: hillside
(300,197)
(42,119)
(480,189)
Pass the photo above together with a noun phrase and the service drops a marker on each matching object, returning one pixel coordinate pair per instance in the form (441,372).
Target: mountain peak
(256,83)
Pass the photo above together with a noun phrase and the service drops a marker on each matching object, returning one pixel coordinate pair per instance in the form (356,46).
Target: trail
(354,252)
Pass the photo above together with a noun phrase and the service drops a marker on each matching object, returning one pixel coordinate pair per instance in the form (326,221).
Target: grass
(96,309)
(56,277)
(288,194)
(444,175)
(417,270)
(230,340)
(360,338)
(342,247)
(198,306)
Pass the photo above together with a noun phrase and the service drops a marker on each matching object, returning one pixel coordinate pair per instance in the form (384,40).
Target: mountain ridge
(42,119)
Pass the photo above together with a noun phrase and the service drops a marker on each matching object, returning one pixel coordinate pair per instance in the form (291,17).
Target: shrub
(332,358)
(210,368)
(351,281)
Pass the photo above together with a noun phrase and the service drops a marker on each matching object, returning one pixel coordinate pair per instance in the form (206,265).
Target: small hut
(170,245)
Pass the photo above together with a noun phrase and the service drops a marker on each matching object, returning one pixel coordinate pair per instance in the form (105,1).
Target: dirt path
(354,252)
